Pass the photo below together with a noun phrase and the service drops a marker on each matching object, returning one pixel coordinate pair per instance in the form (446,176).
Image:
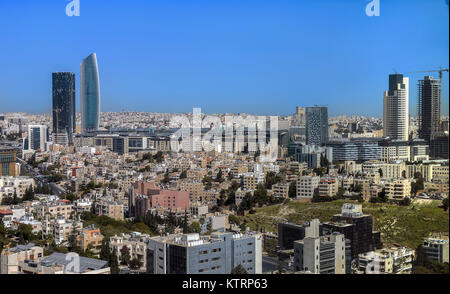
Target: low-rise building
(135,244)
(11,258)
(436,248)
(393,260)
(306,186)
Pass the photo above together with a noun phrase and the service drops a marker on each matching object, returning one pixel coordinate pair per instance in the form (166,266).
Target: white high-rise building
(396,108)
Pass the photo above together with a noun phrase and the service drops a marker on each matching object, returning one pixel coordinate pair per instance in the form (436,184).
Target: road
(39,178)
(270,264)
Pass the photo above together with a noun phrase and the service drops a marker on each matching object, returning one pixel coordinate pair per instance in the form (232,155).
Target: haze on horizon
(258,57)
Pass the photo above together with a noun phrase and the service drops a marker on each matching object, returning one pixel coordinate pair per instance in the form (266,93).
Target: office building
(64,104)
(439,146)
(321,254)
(396,108)
(289,232)
(316,125)
(357,227)
(217,253)
(38,137)
(306,186)
(436,248)
(90,94)
(429,107)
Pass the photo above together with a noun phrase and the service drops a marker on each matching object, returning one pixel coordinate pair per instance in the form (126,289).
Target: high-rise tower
(63,84)
(316,125)
(396,109)
(90,94)
(429,112)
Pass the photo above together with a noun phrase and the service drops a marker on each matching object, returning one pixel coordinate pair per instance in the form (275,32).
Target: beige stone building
(11,257)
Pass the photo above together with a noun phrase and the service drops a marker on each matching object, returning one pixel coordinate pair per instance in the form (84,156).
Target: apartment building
(280,190)
(306,186)
(90,237)
(135,242)
(397,189)
(392,260)
(394,170)
(61,228)
(193,187)
(218,253)
(11,258)
(61,208)
(328,187)
(252,180)
(320,254)
(111,209)
(147,195)
(436,248)
(63,263)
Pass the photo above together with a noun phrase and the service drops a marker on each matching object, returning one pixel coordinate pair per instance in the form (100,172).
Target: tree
(280,268)
(105,252)
(324,161)
(292,190)
(219,177)
(405,201)
(25,233)
(382,195)
(183,175)
(185,223)
(113,263)
(445,204)
(125,254)
(340,193)
(380,171)
(239,270)
(135,264)
(194,227)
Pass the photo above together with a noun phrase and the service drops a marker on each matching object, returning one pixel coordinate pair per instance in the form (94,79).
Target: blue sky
(254,56)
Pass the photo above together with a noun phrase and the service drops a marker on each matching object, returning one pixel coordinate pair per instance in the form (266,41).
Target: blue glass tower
(90,94)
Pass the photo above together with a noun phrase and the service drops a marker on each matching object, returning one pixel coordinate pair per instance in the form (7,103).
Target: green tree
(239,270)
(135,264)
(125,255)
(194,227)
(445,204)
(292,190)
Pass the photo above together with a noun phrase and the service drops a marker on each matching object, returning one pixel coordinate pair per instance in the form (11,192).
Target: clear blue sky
(254,56)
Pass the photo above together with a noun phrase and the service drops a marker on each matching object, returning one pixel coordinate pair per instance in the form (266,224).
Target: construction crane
(440,70)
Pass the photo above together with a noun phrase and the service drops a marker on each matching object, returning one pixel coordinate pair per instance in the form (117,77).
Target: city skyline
(166,80)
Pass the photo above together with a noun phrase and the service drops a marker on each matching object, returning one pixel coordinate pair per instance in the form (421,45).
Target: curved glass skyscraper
(90,94)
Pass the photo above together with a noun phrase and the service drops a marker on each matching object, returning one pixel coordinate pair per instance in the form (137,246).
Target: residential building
(436,248)
(111,209)
(137,247)
(392,260)
(10,258)
(306,186)
(328,186)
